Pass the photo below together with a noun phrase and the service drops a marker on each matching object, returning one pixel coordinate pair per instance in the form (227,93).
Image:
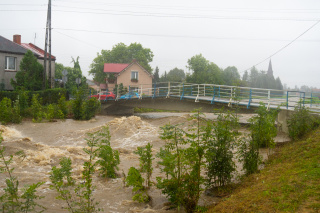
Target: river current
(45,143)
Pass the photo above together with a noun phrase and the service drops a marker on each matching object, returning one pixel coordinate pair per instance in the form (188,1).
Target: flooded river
(45,143)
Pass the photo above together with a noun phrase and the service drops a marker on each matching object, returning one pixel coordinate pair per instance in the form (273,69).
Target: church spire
(270,71)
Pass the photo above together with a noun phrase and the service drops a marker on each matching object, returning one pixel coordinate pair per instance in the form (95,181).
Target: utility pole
(48,32)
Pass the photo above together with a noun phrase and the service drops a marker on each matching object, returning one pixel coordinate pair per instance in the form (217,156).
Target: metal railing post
(117,93)
(181,98)
(129,93)
(304,97)
(204,90)
(140,92)
(198,93)
(230,97)
(311,100)
(219,92)
(287,99)
(250,98)
(268,99)
(212,101)
(154,91)
(168,94)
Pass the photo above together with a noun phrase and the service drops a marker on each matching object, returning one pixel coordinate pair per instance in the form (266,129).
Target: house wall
(144,78)
(6,75)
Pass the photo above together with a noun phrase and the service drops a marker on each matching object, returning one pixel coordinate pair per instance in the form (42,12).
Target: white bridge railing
(228,94)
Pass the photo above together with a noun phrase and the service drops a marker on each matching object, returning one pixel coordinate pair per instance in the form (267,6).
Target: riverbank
(290,181)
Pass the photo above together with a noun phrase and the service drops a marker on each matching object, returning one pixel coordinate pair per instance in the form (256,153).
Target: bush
(6,110)
(49,96)
(135,180)
(263,129)
(37,110)
(89,108)
(108,158)
(12,200)
(301,122)
(219,156)
(62,105)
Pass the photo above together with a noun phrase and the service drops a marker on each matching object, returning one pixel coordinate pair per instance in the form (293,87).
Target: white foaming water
(9,133)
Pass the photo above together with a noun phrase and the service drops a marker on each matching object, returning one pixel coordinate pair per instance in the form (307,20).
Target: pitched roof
(114,68)
(38,51)
(11,47)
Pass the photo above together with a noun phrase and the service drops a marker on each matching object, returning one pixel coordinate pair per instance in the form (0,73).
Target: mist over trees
(261,79)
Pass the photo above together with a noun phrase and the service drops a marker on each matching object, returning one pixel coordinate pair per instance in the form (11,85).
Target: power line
(175,36)
(282,48)
(77,39)
(163,15)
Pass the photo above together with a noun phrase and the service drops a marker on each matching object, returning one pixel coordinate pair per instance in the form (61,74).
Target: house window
(11,63)
(134,75)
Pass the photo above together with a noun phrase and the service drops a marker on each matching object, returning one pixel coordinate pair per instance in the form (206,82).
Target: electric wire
(284,47)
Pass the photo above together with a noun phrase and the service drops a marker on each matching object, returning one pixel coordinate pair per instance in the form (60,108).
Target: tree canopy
(120,53)
(176,75)
(30,76)
(73,73)
(203,71)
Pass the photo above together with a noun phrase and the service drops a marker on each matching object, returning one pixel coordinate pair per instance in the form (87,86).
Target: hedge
(49,96)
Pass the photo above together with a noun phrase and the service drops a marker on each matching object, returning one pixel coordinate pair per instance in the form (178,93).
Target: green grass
(290,182)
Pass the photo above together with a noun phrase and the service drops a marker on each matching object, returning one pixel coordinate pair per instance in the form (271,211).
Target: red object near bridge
(106,96)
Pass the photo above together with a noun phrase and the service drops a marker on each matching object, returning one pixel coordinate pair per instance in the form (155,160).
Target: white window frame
(135,75)
(7,63)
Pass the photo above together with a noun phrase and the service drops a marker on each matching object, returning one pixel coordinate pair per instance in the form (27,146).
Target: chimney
(17,39)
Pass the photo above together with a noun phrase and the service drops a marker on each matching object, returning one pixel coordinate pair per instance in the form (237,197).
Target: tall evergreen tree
(30,76)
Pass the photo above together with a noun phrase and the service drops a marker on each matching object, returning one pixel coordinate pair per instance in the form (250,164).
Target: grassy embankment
(290,182)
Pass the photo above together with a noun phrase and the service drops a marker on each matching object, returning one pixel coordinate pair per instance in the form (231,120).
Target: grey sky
(228,33)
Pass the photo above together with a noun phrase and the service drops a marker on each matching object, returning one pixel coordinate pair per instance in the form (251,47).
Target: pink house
(133,75)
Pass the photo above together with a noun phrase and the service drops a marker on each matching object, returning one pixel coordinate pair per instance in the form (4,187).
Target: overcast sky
(228,33)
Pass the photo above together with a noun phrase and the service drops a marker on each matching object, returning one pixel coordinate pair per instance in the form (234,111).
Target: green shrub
(16,117)
(89,108)
(77,104)
(146,158)
(6,110)
(108,158)
(301,122)
(50,112)
(62,105)
(23,102)
(135,180)
(219,156)
(37,110)
(263,129)
(248,155)
(77,195)
(13,198)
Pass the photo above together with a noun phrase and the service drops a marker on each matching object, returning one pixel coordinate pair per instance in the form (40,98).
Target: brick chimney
(17,39)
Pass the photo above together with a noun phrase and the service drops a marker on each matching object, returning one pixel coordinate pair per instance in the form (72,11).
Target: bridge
(221,94)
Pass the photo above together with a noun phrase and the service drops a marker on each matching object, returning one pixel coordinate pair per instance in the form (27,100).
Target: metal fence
(229,94)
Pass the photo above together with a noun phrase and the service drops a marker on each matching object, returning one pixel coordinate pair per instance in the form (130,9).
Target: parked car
(130,95)
(104,96)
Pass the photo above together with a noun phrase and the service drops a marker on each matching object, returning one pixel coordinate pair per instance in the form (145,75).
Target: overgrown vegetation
(301,122)
(14,198)
(79,195)
(290,182)
(82,108)
(108,158)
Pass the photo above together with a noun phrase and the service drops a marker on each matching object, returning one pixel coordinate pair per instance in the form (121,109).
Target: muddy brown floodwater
(45,143)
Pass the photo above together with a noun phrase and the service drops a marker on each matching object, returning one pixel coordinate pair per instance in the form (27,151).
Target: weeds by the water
(11,200)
